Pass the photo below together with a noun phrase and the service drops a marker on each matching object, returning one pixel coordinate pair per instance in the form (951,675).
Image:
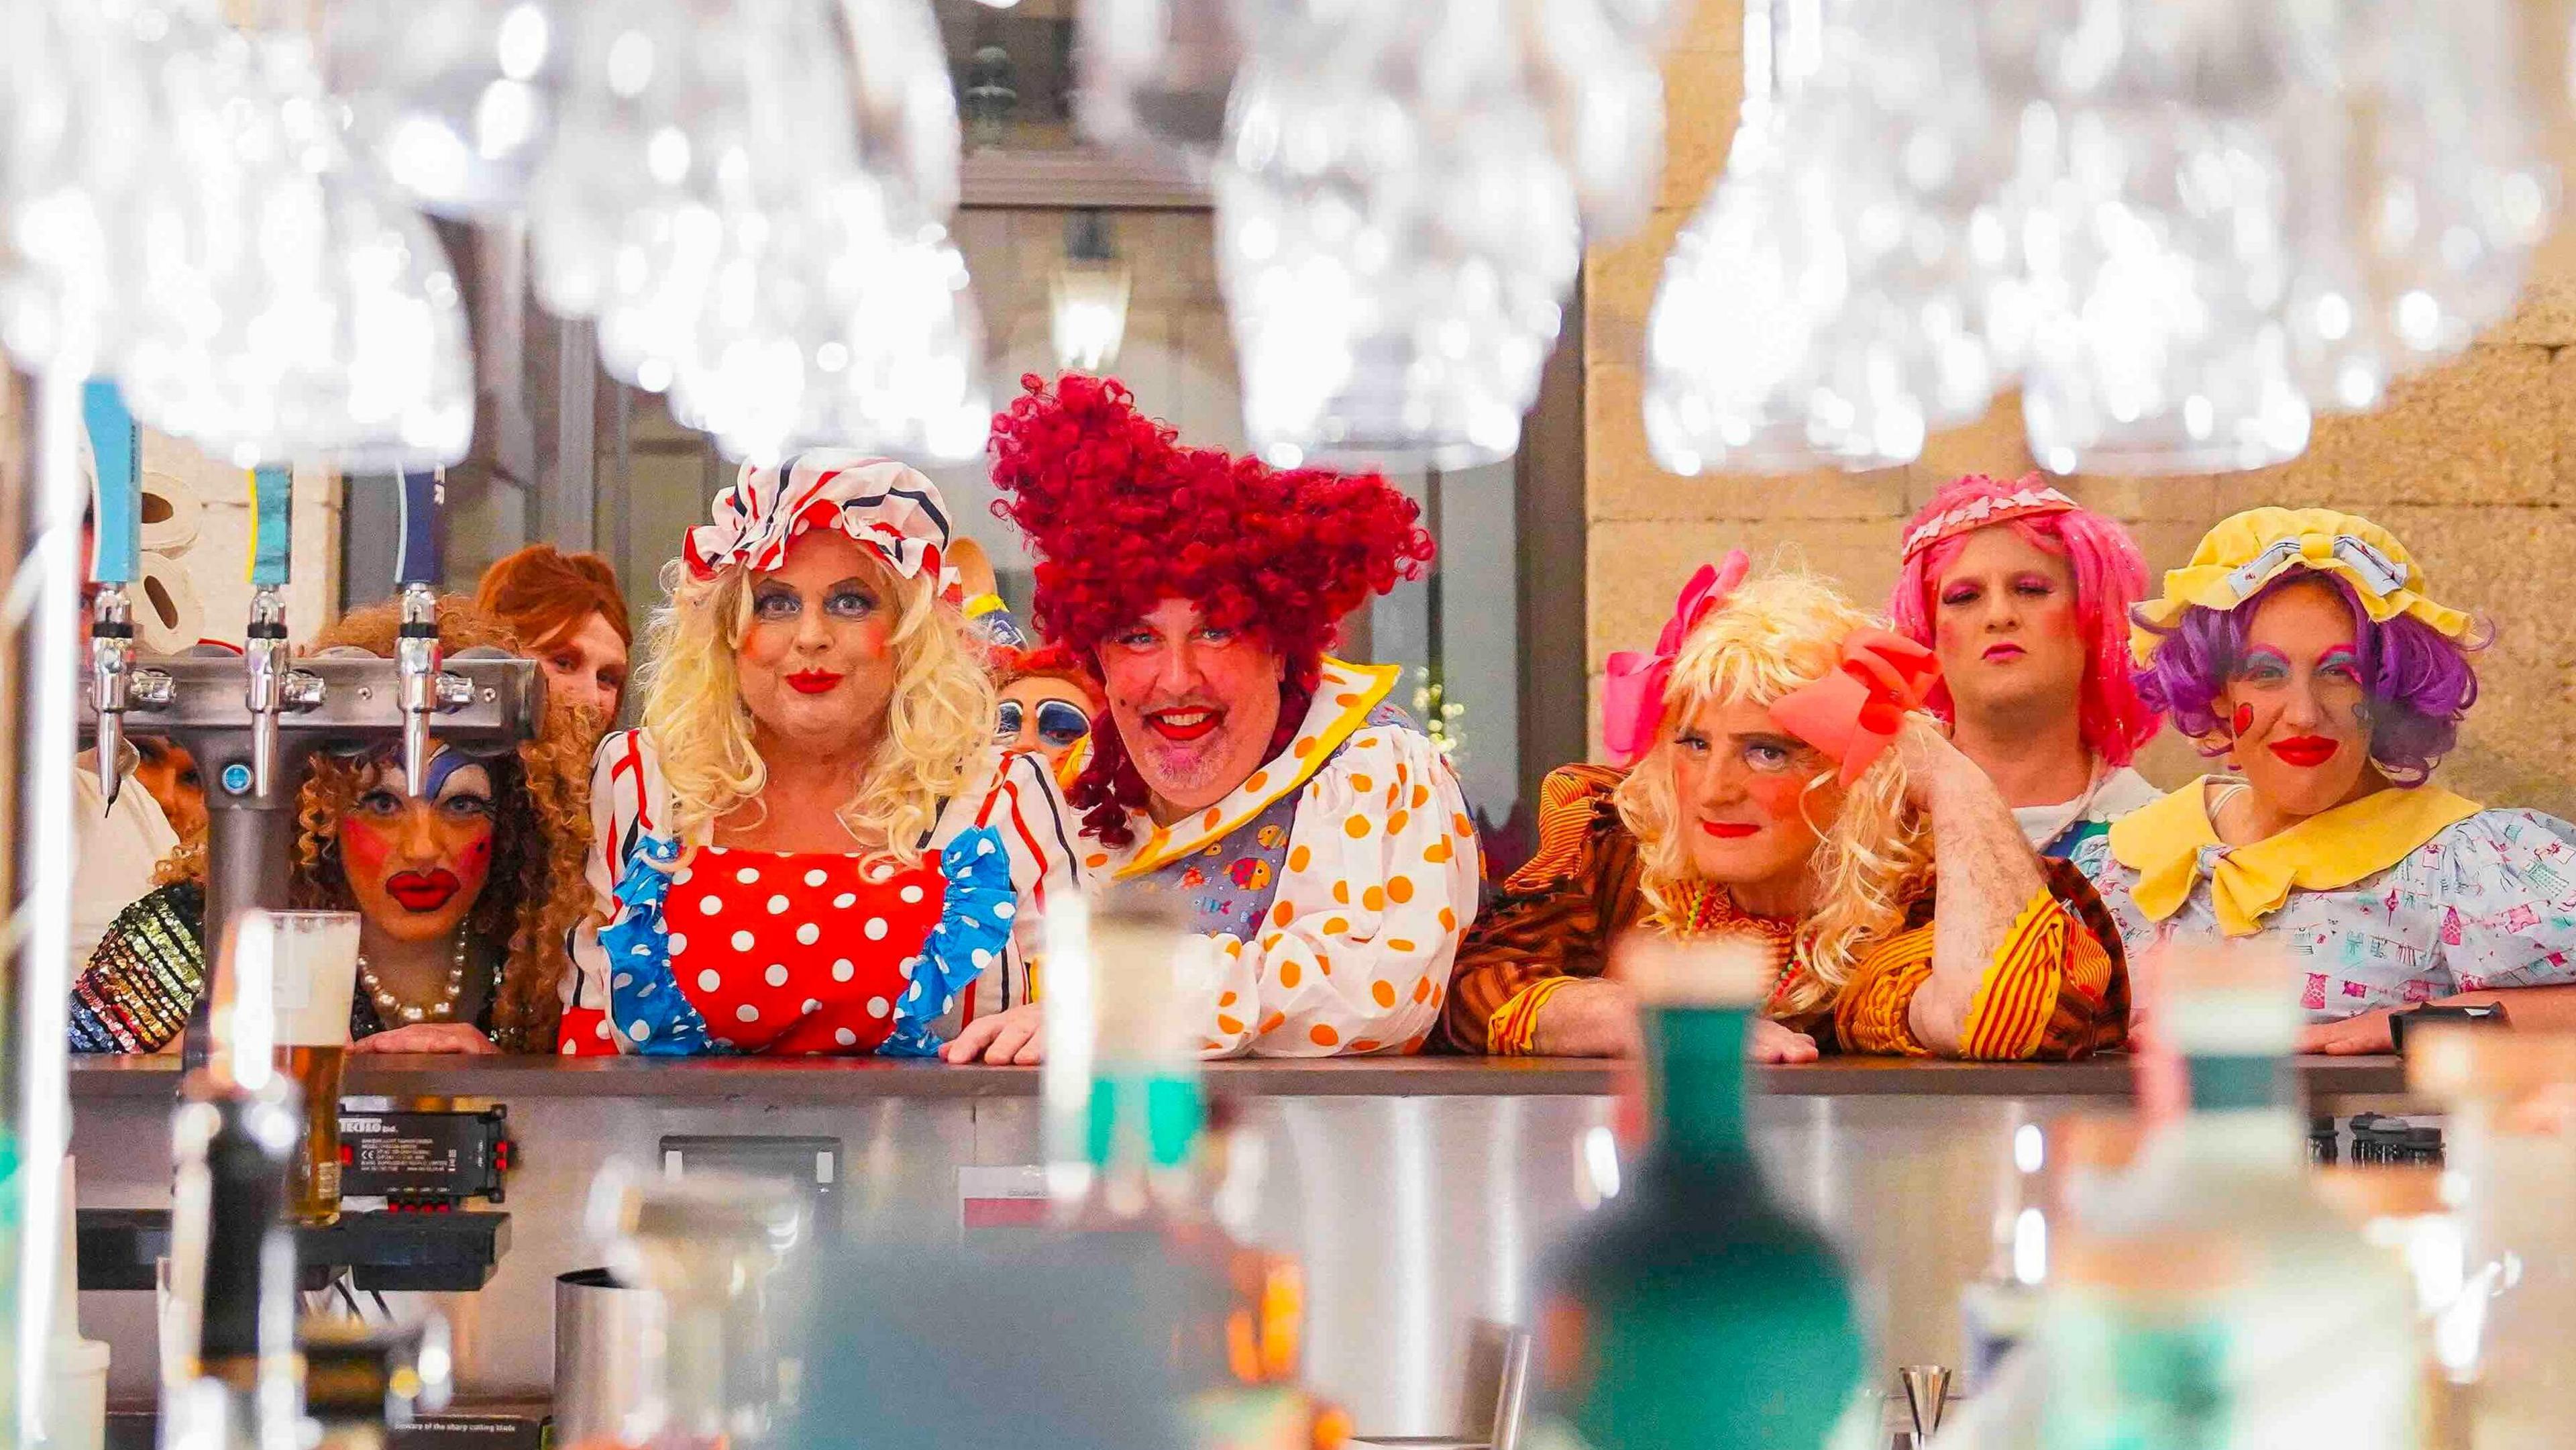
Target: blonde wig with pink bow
(1787,636)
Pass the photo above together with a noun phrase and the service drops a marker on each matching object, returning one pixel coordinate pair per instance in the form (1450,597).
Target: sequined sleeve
(138,987)
(1552,922)
(2056,990)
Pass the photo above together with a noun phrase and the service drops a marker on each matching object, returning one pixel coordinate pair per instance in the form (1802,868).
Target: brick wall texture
(2473,465)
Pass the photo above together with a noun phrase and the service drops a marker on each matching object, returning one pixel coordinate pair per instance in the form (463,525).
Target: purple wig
(2418,680)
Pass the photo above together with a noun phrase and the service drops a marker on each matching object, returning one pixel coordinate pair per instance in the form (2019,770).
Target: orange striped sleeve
(1870,1016)
(2013,1005)
(1513,1031)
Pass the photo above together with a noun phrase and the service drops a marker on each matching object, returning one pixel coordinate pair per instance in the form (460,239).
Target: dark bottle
(1694,1309)
(232,1254)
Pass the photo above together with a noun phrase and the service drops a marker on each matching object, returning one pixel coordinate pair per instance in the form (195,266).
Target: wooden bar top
(809,1080)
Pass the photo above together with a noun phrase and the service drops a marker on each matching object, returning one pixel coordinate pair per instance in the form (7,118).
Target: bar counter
(1419,1193)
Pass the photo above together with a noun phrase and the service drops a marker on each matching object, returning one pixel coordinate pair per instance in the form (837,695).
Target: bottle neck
(2245,1108)
(1696,1057)
(1141,1128)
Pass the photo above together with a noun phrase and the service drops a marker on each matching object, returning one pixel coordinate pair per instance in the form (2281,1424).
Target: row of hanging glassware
(2185,229)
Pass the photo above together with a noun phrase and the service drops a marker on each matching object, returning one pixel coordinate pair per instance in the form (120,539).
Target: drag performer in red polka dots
(1269,790)
(813,844)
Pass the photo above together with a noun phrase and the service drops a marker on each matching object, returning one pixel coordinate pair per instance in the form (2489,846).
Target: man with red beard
(1268,790)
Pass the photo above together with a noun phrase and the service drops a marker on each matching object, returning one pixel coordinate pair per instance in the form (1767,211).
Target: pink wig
(2110,577)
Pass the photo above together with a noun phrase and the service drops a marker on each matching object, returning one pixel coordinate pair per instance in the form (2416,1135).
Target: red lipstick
(1729,830)
(423,890)
(2306,751)
(1196,723)
(813,682)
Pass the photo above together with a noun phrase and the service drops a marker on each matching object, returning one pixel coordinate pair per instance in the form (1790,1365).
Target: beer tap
(116,556)
(416,653)
(264,639)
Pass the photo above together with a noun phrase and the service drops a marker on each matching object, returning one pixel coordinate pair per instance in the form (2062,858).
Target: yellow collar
(2164,843)
(1343,699)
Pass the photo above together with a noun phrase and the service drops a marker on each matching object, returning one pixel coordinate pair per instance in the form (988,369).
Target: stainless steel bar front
(1419,1194)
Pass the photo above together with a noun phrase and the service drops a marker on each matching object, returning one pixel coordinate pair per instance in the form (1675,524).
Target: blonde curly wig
(1874,856)
(541,829)
(939,724)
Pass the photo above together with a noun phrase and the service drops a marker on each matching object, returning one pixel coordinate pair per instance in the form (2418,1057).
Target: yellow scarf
(2327,851)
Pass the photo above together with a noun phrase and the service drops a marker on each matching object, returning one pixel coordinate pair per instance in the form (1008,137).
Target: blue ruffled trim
(974,928)
(646,1008)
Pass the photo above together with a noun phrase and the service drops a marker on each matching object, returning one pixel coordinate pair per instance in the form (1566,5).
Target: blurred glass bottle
(230,1378)
(2501,1343)
(711,1245)
(2214,1301)
(1695,1309)
(1134,1147)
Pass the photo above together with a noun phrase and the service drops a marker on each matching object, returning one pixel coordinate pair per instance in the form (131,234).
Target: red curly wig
(1122,517)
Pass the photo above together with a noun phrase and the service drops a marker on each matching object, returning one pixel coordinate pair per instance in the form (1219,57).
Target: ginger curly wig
(535,893)
(1122,516)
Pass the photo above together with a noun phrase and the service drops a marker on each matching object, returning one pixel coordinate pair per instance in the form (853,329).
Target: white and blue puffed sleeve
(629,818)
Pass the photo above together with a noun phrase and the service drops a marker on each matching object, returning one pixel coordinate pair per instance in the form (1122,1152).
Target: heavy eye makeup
(2263,666)
(777,603)
(1768,754)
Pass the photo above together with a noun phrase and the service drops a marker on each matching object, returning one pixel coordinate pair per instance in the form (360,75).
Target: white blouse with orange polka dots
(1373,895)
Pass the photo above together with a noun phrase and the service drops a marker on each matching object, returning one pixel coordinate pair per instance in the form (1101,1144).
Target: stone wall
(2472,465)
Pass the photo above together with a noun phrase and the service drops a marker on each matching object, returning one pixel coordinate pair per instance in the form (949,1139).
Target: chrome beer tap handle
(416,652)
(264,655)
(116,558)
(111,674)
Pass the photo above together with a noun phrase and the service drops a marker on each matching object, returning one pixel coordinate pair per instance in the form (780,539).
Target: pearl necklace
(389,1006)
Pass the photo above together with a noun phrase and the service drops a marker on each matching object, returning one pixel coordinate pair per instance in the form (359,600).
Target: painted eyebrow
(2266,655)
(2339,654)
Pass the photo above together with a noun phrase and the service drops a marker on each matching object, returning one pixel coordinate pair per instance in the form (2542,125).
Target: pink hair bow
(1632,697)
(1854,713)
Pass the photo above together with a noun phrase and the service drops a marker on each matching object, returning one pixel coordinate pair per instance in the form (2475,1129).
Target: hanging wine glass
(455,98)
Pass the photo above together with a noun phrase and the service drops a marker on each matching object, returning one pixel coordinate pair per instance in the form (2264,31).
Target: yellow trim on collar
(2239,556)
(2326,852)
(1344,696)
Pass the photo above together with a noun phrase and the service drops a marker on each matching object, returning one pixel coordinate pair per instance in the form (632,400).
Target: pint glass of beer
(314,971)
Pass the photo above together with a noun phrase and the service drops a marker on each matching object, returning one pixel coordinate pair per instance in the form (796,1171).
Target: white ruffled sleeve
(2508,883)
(1380,884)
(1017,798)
(627,802)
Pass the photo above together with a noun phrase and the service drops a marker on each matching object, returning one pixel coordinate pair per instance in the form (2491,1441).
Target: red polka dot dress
(795,953)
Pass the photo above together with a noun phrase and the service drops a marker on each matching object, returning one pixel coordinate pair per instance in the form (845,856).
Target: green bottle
(1695,1309)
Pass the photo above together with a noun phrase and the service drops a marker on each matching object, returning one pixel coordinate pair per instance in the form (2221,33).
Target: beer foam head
(313,972)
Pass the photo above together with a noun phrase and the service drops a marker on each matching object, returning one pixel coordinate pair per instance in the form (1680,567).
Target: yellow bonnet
(2249,550)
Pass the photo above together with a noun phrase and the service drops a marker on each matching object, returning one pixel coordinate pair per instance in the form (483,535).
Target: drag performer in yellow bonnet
(2305,647)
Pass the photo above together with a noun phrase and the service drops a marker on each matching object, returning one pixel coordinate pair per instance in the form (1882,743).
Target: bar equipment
(1696,1264)
(264,638)
(362,1383)
(710,1247)
(1927,1397)
(416,572)
(339,702)
(116,558)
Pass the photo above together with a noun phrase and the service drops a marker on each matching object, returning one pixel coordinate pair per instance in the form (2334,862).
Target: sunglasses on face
(1059,724)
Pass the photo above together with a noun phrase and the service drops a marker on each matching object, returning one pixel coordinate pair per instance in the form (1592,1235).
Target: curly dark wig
(1122,516)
